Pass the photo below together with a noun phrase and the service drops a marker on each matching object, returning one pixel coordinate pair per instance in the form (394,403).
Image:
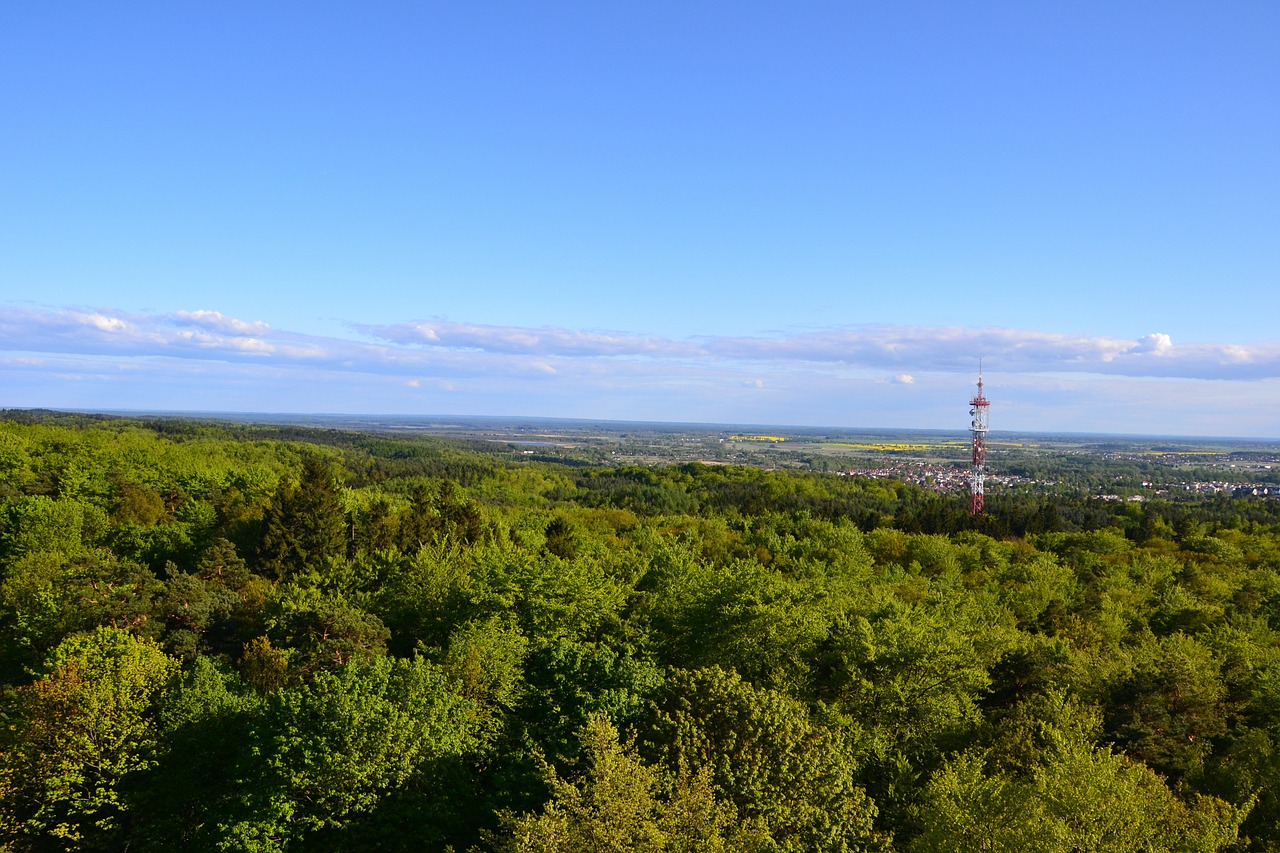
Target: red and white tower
(978,411)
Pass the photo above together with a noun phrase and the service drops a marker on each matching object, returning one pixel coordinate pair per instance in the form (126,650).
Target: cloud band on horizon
(468,348)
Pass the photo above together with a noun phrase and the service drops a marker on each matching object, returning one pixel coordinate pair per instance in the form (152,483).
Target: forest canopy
(222,637)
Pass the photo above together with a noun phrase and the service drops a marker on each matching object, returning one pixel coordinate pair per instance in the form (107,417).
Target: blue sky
(802,213)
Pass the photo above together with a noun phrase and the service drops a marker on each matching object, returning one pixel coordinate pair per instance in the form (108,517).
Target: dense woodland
(218,637)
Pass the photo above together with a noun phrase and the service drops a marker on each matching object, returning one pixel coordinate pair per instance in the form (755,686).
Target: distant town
(1108,467)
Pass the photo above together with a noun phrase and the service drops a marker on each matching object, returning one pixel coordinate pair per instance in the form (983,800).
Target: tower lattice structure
(978,407)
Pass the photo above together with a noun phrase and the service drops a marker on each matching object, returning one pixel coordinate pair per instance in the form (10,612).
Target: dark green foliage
(48,596)
(326,632)
(568,681)
(206,755)
(440,515)
(1044,786)
(304,525)
(1170,705)
(561,540)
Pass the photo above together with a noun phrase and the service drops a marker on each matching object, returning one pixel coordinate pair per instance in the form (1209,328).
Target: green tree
(1045,786)
(912,674)
(741,614)
(782,772)
(620,804)
(566,681)
(304,525)
(485,659)
(326,631)
(76,735)
(1170,705)
(203,759)
(49,595)
(334,748)
(41,524)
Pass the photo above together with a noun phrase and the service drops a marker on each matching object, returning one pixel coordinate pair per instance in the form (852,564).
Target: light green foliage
(739,614)
(77,734)
(910,674)
(967,811)
(525,487)
(550,596)
(785,774)
(84,464)
(40,524)
(1018,739)
(1029,583)
(485,660)
(332,749)
(37,609)
(264,667)
(1084,548)
(1059,792)
(15,460)
(622,805)
(136,504)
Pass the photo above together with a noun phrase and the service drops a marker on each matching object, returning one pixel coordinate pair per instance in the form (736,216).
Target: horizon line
(240,416)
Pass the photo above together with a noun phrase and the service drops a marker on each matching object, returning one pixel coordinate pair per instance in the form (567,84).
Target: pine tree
(304,524)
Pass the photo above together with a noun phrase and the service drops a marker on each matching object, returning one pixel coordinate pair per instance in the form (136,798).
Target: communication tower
(978,411)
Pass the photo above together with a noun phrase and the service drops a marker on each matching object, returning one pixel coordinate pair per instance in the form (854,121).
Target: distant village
(939,478)
(949,479)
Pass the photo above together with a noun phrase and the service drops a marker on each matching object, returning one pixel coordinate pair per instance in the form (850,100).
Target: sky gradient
(818,213)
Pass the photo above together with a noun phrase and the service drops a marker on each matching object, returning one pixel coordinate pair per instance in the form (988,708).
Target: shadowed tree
(304,525)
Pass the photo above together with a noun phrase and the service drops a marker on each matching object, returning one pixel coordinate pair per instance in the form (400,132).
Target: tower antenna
(978,407)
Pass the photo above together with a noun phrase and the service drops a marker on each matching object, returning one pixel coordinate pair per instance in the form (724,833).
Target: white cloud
(906,351)
(217,321)
(952,349)
(813,375)
(103,323)
(870,346)
(546,340)
(1159,344)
